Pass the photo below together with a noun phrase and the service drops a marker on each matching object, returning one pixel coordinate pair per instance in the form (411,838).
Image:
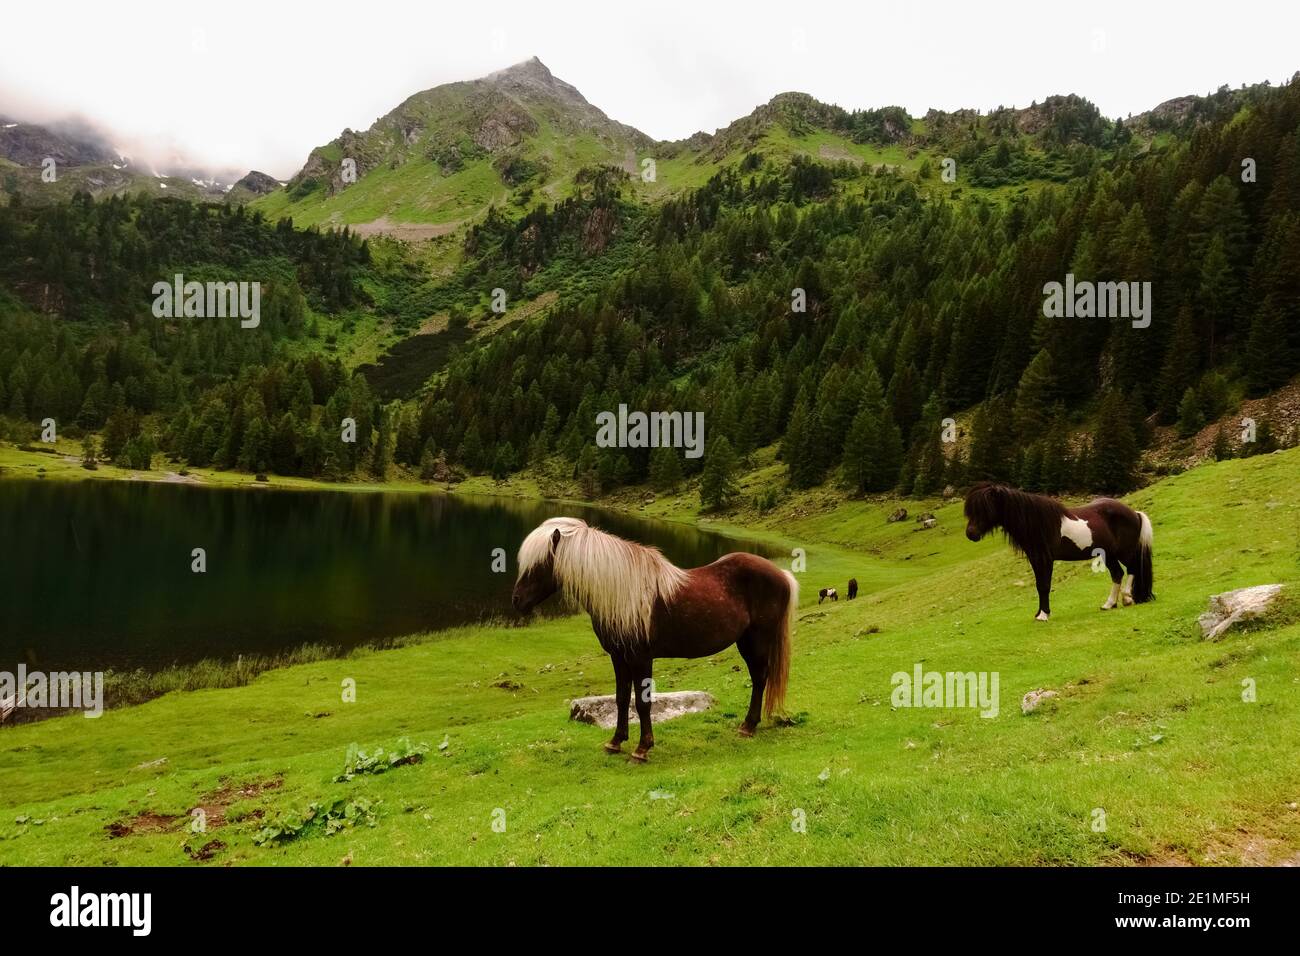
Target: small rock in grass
(1035,699)
(603,712)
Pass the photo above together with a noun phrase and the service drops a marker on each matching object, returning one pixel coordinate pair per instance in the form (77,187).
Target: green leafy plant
(331,817)
(378,761)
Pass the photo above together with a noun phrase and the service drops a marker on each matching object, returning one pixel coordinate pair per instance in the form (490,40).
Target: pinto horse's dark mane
(1032,523)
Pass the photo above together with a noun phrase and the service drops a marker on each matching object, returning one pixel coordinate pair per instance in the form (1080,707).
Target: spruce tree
(1190,418)
(718,484)
(665,469)
(1112,463)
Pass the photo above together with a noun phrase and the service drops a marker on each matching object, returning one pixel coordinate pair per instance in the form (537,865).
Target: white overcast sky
(256,85)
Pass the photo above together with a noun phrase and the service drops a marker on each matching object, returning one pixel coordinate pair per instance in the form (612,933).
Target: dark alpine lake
(97,574)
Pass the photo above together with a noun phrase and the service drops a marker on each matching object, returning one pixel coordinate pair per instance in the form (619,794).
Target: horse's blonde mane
(613,580)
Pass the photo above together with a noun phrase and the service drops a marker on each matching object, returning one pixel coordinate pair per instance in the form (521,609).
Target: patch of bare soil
(406,231)
(146,822)
(215,804)
(434,324)
(838,154)
(205,852)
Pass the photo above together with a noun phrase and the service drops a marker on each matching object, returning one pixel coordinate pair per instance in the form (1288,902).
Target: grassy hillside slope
(1150,726)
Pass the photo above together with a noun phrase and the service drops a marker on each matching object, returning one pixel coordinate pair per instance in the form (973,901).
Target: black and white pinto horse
(825,593)
(1045,531)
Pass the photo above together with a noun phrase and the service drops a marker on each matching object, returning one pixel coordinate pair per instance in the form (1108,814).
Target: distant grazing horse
(1044,530)
(853,588)
(643,607)
(825,593)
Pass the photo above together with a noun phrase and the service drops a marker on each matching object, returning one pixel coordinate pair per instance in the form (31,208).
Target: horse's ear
(555,540)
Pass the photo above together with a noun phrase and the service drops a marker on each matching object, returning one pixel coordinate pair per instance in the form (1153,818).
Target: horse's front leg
(1043,579)
(644,686)
(622,701)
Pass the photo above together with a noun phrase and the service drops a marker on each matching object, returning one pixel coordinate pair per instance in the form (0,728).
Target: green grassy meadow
(1150,726)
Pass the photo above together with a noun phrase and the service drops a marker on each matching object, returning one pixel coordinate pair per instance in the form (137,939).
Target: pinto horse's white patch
(1077,530)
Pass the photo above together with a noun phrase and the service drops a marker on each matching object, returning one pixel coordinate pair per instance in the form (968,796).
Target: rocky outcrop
(29,144)
(258,183)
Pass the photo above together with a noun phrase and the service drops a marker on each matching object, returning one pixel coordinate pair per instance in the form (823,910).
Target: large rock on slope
(1243,604)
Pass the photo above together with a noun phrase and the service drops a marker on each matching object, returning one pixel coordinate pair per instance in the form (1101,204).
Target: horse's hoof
(612,748)
(637,757)
(1128,600)
(1040,616)
(745,731)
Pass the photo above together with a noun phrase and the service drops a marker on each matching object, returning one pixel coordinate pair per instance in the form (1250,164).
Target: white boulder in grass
(1243,604)
(603,712)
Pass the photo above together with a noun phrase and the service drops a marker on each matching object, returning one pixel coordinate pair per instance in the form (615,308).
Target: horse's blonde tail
(1144,573)
(778,659)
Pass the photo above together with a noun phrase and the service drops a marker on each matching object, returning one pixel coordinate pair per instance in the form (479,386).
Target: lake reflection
(97,574)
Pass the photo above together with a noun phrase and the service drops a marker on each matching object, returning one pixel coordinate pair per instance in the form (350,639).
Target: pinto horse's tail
(1143,574)
(778,659)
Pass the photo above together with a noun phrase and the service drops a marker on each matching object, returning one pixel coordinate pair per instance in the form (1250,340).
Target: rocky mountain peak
(532,78)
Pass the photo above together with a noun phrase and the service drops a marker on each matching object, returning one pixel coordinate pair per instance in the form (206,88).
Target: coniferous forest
(850,315)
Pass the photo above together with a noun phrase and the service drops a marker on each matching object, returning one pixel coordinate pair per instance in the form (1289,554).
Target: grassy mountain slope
(446,154)
(1150,726)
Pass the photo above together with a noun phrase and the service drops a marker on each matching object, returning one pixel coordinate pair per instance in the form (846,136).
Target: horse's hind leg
(622,700)
(755,657)
(643,687)
(1116,576)
(1126,590)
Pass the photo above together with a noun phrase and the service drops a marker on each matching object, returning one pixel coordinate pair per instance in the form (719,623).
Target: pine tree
(799,448)
(428,464)
(856,466)
(1030,476)
(1218,295)
(1222,450)
(717,484)
(1190,418)
(1267,359)
(1034,398)
(665,469)
(586,473)
(1113,458)
(88,457)
(504,462)
(1182,360)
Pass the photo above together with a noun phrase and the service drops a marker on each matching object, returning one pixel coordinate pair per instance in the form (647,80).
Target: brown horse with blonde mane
(643,607)
(1045,531)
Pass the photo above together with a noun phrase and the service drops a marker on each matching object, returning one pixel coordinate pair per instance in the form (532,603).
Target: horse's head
(537,579)
(983,510)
